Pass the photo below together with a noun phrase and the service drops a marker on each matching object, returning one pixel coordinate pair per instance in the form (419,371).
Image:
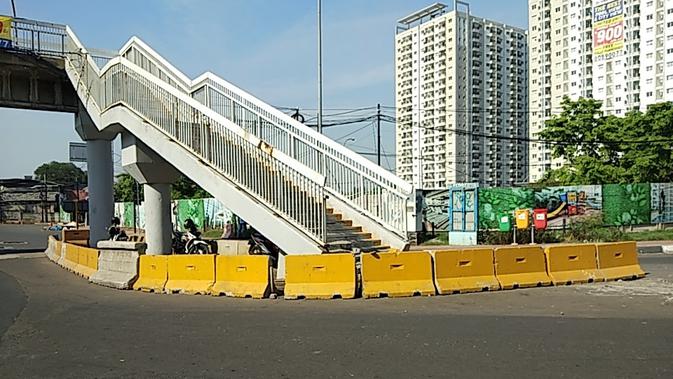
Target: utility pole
(44,202)
(378,133)
(77,204)
(13,9)
(135,205)
(319,67)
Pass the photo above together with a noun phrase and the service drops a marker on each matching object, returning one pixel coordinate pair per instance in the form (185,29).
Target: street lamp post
(319,67)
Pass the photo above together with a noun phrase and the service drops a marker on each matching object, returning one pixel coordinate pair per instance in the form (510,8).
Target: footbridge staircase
(302,190)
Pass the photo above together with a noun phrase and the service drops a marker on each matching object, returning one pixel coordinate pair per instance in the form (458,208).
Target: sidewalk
(644,247)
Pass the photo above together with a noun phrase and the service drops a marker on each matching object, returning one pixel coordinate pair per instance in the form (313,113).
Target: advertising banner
(608,28)
(5,32)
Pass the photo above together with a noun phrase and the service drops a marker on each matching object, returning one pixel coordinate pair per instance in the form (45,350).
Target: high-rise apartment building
(616,51)
(461,99)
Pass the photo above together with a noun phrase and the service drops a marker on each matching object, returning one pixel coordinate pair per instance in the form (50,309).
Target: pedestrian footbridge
(303,191)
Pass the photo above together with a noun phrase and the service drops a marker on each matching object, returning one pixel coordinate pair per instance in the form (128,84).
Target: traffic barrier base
(520,267)
(468,270)
(619,260)
(571,264)
(242,276)
(116,269)
(397,274)
(327,276)
(190,274)
(152,273)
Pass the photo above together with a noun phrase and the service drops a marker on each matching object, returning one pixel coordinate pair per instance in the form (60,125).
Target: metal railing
(289,192)
(39,37)
(368,188)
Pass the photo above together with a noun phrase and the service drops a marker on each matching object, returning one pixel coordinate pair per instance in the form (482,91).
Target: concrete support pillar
(156,175)
(158,226)
(100,174)
(100,182)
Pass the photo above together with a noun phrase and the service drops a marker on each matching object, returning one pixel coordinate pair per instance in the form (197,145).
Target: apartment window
(648,94)
(649,17)
(648,68)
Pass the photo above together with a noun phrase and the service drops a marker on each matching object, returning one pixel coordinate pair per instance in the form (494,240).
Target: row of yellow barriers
(81,260)
(425,273)
(389,274)
(236,276)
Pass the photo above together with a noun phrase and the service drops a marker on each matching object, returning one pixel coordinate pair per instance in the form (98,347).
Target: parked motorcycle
(259,245)
(115,232)
(190,241)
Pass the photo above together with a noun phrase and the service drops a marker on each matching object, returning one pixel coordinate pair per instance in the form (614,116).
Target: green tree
(125,187)
(185,188)
(64,173)
(651,161)
(602,148)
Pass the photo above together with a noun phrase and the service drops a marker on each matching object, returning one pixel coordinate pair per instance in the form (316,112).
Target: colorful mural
(569,202)
(626,204)
(661,202)
(496,201)
(432,210)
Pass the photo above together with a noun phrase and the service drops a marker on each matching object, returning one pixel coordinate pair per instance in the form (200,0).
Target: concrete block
(667,249)
(122,245)
(116,269)
(232,247)
(51,245)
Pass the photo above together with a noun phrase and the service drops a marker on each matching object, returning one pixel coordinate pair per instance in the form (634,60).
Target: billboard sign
(608,28)
(5,32)
(77,152)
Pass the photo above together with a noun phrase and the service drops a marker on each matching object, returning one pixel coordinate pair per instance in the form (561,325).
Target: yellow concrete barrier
(71,256)
(467,270)
(570,264)
(326,276)
(397,274)
(152,273)
(58,250)
(519,267)
(190,274)
(619,260)
(242,276)
(88,262)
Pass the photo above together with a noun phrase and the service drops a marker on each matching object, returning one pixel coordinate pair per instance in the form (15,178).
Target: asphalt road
(67,327)
(23,238)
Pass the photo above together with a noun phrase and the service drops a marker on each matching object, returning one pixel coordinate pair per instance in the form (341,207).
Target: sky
(266,47)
